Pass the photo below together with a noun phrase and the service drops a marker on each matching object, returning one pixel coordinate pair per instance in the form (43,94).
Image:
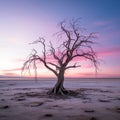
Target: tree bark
(59,88)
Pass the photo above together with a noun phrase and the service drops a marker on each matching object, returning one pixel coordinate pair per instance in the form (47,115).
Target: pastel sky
(23,21)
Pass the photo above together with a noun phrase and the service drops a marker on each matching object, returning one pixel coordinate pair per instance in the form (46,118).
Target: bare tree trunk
(76,45)
(59,88)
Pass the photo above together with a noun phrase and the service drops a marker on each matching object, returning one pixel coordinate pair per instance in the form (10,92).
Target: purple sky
(23,21)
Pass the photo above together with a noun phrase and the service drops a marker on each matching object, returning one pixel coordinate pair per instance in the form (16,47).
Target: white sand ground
(98,99)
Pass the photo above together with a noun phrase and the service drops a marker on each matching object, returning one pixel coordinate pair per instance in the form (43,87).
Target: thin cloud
(16,69)
(102,23)
(114,51)
(19,60)
(10,74)
(111,36)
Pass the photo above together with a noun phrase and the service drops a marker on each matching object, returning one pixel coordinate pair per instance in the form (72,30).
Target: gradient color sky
(23,21)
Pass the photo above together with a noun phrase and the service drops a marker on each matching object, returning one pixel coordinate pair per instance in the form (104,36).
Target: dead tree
(74,45)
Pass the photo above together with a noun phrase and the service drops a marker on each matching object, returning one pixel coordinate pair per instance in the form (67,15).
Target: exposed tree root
(58,91)
(62,91)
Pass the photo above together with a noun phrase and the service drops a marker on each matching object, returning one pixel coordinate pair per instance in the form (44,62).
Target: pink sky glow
(24,21)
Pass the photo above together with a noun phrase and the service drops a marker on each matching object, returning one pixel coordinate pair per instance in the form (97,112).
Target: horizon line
(3,76)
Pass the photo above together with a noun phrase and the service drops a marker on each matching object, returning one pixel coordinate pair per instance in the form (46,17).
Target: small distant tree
(74,45)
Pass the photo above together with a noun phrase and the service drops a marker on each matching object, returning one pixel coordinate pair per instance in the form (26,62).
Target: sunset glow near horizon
(24,21)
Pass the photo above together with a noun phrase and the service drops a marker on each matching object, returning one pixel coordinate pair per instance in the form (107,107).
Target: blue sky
(23,21)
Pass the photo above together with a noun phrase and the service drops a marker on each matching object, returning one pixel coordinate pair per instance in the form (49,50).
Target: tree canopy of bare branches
(74,45)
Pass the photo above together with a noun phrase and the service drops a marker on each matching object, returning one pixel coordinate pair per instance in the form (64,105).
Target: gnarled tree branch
(74,45)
